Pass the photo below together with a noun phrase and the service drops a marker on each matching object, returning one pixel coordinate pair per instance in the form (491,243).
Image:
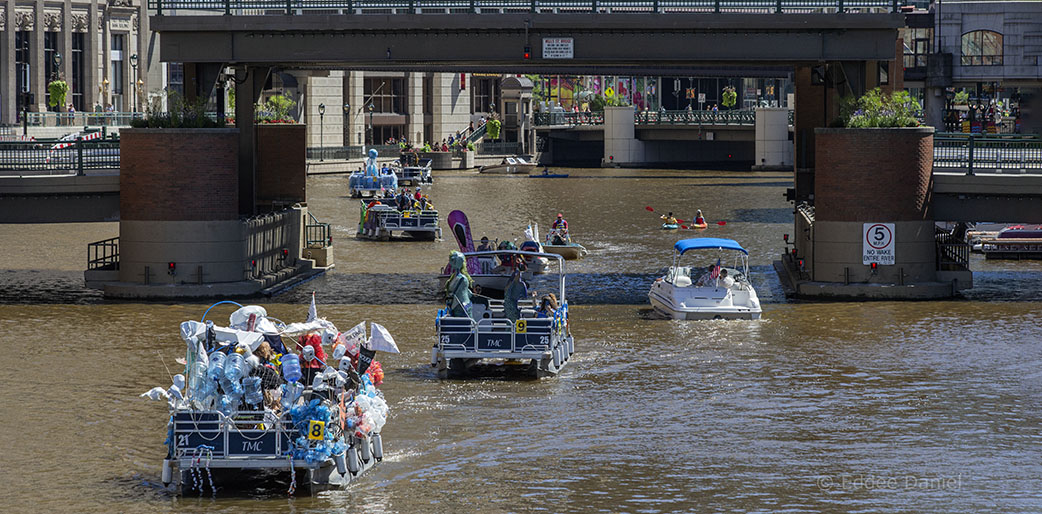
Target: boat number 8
(521,326)
(316,429)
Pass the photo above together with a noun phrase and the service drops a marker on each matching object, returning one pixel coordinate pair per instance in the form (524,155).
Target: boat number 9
(521,326)
(316,429)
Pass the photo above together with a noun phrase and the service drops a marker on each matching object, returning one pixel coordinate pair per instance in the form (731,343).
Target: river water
(819,407)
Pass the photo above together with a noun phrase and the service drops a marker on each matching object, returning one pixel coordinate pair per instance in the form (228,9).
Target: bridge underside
(987,198)
(627,43)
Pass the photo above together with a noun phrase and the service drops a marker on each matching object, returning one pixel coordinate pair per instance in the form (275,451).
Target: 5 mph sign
(878,244)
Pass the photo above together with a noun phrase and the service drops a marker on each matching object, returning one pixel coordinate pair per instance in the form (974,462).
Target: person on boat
(418,194)
(669,219)
(725,280)
(516,290)
(547,306)
(457,287)
(309,362)
(485,246)
(560,223)
(699,219)
(370,163)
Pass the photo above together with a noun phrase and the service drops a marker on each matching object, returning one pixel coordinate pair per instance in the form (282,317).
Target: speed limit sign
(877,244)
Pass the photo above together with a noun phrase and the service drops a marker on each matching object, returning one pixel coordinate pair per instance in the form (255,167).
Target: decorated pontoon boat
(255,408)
(477,333)
(412,170)
(712,291)
(380,219)
(372,180)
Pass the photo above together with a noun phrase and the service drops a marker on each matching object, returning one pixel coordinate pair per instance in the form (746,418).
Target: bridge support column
(248,82)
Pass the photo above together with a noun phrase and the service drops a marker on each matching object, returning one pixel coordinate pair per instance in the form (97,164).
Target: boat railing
(495,334)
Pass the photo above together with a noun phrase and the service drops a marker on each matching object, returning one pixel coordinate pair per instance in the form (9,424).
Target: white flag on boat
(381,340)
(312,311)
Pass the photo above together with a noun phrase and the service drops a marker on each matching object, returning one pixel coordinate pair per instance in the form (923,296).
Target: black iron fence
(50,157)
(952,251)
(972,153)
(253,7)
(317,234)
(497,148)
(333,153)
(103,255)
(685,117)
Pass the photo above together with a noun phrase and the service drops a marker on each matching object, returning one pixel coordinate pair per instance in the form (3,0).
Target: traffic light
(528,53)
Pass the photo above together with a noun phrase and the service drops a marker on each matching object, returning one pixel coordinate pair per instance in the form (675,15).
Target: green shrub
(878,109)
(180,114)
(493,128)
(58,89)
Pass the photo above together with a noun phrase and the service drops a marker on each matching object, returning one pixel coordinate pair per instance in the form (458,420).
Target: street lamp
(133,65)
(57,61)
(321,132)
(372,134)
(347,118)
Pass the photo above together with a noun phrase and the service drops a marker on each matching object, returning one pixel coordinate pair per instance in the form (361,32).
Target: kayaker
(559,231)
(560,223)
(669,219)
(699,220)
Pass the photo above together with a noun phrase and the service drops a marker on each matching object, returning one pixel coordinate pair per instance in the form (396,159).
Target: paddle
(649,209)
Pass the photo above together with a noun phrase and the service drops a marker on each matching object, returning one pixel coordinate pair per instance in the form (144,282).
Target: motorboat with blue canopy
(711,289)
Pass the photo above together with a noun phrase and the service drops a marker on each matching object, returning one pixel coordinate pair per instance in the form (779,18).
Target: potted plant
(58,89)
(873,165)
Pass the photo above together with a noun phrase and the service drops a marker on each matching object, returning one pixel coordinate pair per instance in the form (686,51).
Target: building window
(981,48)
(883,74)
(22,69)
(175,78)
(76,87)
(385,94)
(484,93)
(116,78)
(917,46)
(384,133)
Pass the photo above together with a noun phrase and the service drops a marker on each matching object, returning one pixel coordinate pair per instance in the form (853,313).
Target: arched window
(981,48)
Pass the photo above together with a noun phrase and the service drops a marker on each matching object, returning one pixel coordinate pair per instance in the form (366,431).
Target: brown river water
(818,407)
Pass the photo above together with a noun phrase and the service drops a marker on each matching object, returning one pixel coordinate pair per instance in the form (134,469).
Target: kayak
(699,225)
(670,226)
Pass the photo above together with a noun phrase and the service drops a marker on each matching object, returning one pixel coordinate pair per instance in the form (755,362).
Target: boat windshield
(705,268)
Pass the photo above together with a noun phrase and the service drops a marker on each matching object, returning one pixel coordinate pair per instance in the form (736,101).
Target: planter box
(873,174)
(439,160)
(179,174)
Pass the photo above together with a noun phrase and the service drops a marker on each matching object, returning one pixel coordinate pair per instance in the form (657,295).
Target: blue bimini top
(700,243)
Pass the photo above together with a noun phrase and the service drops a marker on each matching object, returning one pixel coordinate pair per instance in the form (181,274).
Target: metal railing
(269,243)
(737,117)
(80,119)
(497,148)
(987,154)
(44,157)
(331,153)
(317,234)
(249,7)
(952,250)
(569,119)
(477,133)
(103,255)
(683,117)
